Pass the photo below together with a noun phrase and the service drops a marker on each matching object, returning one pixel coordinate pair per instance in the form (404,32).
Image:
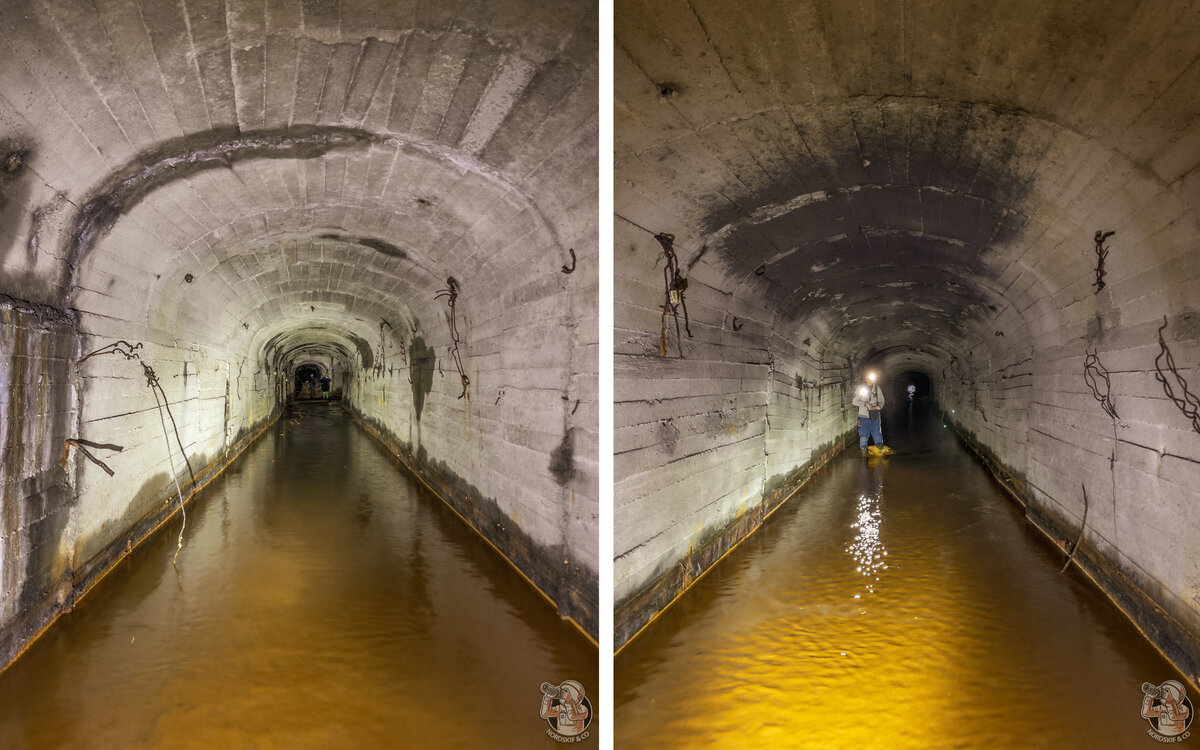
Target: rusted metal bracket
(80,443)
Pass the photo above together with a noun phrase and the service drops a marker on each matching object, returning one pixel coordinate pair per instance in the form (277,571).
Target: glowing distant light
(871,376)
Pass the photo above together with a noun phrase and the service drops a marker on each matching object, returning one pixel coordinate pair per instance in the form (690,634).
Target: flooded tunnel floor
(323,600)
(899,603)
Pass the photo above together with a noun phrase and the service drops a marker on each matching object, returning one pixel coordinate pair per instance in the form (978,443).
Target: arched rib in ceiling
(341,234)
(937,166)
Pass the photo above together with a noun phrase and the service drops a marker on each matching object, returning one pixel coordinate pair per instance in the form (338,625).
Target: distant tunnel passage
(1003,199)
(217,205)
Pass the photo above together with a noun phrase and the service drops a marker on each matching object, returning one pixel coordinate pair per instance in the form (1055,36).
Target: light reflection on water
(867,549)
(896,603)
(323,601)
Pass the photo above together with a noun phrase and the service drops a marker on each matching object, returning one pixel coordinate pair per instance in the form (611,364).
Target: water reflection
(969,638)
(324,600)
(867,548)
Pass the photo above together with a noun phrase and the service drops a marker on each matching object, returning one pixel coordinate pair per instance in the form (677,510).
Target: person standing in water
(869,400)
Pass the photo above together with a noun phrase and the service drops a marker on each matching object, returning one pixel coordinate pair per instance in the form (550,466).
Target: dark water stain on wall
(378,245)
(421,361)
(562,459)
(14,189)
(184,157)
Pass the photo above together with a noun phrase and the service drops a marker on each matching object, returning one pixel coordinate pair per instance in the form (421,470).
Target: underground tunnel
(206,205)
(997,203)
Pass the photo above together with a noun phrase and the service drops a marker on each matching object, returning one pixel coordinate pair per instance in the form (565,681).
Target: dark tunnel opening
(308,381)
(911,386)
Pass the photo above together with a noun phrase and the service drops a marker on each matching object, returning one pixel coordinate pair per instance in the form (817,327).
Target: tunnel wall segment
(711,432)
(1034,408)
(515,452)
(66,521)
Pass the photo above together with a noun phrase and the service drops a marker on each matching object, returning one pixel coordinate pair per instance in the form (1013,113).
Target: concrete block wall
(809,407)
(210,414)
(37,415)
(709,442)
(1045,426)
(518,441)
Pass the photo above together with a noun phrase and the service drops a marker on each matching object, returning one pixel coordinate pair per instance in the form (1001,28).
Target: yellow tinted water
(323,601)
(895,603)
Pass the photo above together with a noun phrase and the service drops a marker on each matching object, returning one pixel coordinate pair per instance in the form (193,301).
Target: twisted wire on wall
(129,352)
(674,286)
(451,295)
(1187,401)
(1096,377)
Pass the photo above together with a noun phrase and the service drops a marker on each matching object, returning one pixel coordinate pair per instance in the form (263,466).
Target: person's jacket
(873,401)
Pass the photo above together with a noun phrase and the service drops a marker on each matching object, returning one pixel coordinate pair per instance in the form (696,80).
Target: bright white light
(868,550)
(862,392)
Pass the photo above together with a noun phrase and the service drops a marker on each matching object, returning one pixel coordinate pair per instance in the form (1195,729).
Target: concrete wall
(37,416)
(230,191)
(711,431)
(918,188)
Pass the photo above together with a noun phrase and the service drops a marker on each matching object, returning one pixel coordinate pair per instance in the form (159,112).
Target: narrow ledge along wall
(233,196)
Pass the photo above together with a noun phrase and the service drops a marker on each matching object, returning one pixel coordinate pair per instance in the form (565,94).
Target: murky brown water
(323,601)
(898,603)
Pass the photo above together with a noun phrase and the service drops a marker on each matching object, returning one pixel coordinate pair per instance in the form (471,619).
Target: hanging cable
(451,295)
(1101,254)
(674,286)
(129,352)
(1078,539)
(1187,401)
(1094,373)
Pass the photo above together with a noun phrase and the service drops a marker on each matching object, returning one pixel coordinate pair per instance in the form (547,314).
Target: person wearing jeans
(869,400)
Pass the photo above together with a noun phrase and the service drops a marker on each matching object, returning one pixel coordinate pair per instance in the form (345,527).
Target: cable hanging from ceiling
(674,287)
(129,352)
(451,295)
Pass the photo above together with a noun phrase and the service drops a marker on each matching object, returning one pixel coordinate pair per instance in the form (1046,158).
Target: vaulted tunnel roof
(909,174)
(236,170)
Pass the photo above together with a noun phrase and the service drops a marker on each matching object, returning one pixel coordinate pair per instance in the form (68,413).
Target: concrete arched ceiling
(291,159)
(908,173)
